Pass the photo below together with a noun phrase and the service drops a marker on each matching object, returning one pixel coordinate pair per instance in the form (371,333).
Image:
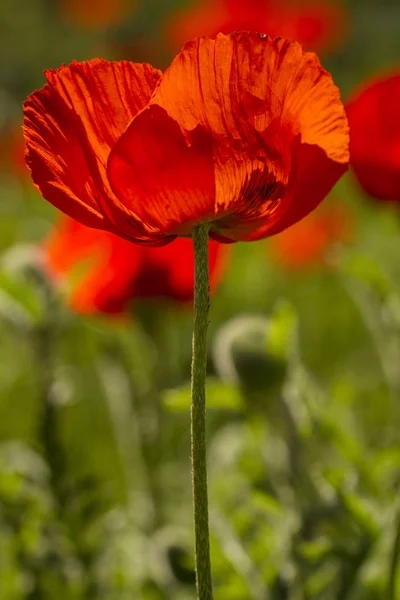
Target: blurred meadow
(304,362)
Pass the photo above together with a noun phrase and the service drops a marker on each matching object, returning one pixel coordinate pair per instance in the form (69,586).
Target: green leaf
(369,271)
(267,504)
(219,397)
(19,302)
(282,329)
(362,512)
(315,550)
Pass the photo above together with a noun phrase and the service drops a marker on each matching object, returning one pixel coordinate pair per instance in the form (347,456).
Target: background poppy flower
(107,273)
(306,243)
(95,14)
(317,25)
(374,120)
(242,131)
(12,148)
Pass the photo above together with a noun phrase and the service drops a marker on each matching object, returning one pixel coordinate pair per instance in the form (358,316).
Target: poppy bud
(242,355)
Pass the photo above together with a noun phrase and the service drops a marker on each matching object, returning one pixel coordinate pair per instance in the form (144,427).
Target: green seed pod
(244,355)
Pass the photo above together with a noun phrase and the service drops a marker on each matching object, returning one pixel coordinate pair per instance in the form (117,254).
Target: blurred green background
(304,379)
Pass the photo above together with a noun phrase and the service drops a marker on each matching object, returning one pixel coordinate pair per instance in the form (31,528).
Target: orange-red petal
(319,25)
(165,180)
(70,126)
(306,243)
(107,273)
(311,179)
(12,149)
(101,266)
(261,106)
(169,271)
(374,119)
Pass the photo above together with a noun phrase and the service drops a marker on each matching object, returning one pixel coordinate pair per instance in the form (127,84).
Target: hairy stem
(198,413)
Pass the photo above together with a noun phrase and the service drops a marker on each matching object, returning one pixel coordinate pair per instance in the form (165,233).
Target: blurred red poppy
(374,120)
(306,243)
(319,25)
(107,273)
(12,146)
(95,14)
(243,132)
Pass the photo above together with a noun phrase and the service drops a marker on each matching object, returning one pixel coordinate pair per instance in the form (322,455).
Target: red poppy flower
(306,243)
(242,131)
(318,25)
(95,14)
(111,272)
(374,119)
(12,148)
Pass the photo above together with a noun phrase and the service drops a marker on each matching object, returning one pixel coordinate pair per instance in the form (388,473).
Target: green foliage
(219,397)
(303,391)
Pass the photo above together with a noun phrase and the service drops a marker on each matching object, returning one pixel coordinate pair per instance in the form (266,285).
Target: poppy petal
(319,25)
(374,120)
(107,273)
(248,98)
(307,243)
(160,176)
(100,266)
(169,272)
(70,126)
(311,179)
(238,84)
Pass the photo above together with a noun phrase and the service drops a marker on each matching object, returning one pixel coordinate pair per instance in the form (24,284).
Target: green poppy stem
(198,413)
